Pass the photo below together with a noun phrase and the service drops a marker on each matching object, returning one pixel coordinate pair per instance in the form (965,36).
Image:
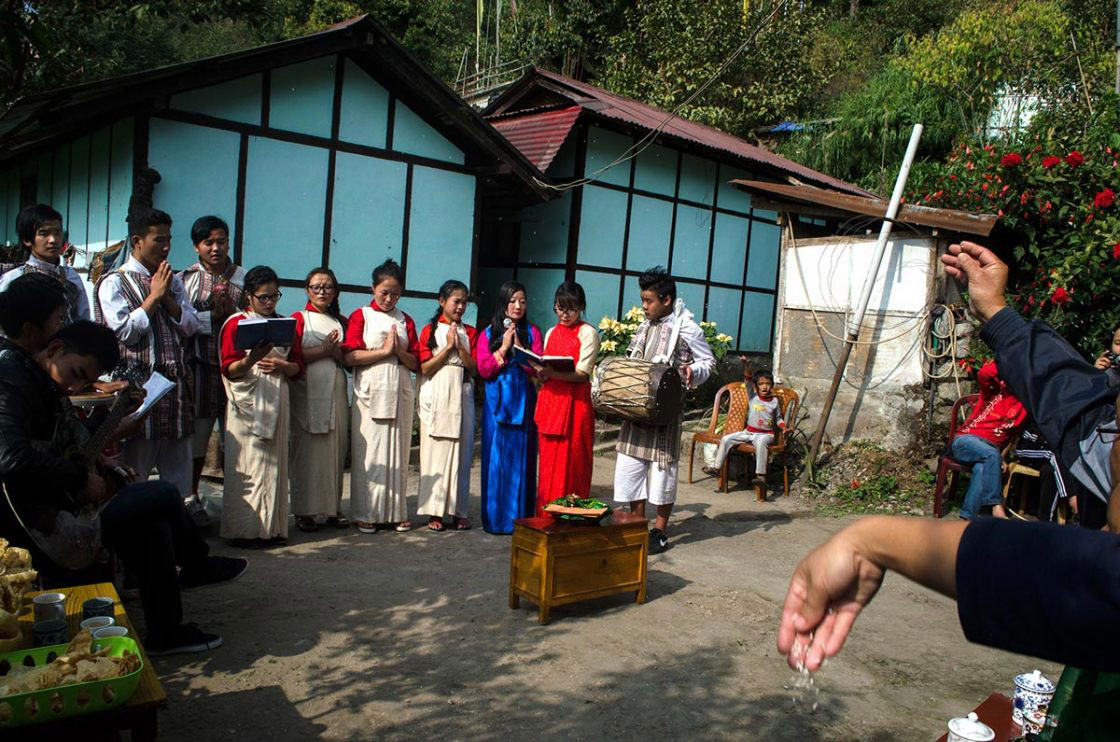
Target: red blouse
(356,327)
(229,353)
(426,352)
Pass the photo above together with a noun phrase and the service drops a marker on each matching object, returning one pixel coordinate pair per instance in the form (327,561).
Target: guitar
(73,540)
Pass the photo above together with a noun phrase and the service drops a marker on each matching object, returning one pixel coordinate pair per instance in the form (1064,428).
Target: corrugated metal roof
(610,105)
(964,222)
(539,135)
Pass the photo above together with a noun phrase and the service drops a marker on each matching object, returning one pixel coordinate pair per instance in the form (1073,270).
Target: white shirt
(702,359)
(133,327)
(71,276)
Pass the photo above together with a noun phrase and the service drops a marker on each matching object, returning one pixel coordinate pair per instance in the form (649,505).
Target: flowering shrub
(615,335)
(1057,195)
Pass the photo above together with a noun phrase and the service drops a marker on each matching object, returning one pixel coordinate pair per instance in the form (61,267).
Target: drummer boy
(647,454)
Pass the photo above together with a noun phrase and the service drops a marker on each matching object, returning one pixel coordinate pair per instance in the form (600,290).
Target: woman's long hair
(333,309)
(498,323)
(448,288)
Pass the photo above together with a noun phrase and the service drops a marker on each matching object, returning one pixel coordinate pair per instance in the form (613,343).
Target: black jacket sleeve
(1041,589)
(53,477)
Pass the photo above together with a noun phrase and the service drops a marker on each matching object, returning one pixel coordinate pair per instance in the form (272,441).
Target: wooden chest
(553,562)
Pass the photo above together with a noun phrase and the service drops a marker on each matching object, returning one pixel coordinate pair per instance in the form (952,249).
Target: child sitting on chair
(764,417)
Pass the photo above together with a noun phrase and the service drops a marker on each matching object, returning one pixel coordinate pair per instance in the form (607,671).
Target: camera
(1113,359)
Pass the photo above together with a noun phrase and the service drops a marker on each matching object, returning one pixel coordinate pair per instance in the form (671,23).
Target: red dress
(565,426)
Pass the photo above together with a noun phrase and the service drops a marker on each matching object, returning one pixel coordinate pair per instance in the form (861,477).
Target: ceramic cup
(1033,692)
(110,632)
(1034,722)
(46,633)
(97,607)
(49,607)
(97,622)
(969,729)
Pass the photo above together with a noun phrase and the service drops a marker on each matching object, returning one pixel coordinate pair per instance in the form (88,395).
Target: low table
(553,562)
(138,715)
(995,711)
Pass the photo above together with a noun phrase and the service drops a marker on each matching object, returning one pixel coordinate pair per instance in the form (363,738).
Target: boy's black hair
(569,295)
(88,338)
(30,218)
(30,298)
(258,276)
(204,225)
(763,373)
(389,269)
(142,218)
(658,280)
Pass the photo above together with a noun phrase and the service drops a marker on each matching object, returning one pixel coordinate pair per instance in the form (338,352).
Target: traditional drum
(637,390)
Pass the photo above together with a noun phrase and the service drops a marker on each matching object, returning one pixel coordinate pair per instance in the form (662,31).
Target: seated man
(995,418)
(145,522)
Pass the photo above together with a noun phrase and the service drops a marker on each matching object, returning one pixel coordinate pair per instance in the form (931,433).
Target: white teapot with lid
(970,729)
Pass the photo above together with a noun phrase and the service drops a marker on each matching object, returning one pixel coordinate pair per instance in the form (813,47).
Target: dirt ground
(342,635)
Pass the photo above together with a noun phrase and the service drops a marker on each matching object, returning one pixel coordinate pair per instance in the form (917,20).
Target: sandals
(404,526)
(364,527)
(436,524)
(339,521)
(462,524)
(306,524)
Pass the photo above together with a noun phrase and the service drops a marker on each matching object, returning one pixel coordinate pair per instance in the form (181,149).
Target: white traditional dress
(381,418)
(320,422)
(77,303)
(445,405)
(255,493)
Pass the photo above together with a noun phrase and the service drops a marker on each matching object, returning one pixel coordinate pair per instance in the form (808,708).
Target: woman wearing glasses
(320,412)
(255,497)
(564,416)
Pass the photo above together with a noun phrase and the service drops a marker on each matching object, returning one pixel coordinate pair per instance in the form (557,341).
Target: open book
(274,330)
(155,388)
(556,363)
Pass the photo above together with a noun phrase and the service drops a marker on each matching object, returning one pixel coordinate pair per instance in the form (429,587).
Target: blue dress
(509,439)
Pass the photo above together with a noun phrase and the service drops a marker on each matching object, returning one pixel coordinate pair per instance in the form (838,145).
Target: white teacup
(110,632)
(97,622)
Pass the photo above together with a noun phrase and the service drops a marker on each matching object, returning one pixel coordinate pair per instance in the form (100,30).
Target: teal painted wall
(540,285)
(100,156)
(285,190)
(651,226)
(602,294)
(198,166)
(723,309)
(656,170)
(367,224)
(602,227)
(236,100)
(731,197)
(120,180)
(77,219)
(413,135)
(441,228)
(762,262)
(756,329)
(302,97)
(727,248)
(364,113)
(603,148)
(544,231)
(698,179)
(690,242)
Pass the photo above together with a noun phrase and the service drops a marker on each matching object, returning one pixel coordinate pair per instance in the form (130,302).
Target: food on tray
(16,576)
(79,664)
(576,507)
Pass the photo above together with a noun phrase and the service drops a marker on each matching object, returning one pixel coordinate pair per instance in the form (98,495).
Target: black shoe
(214,570)
(183,639)
(658,541)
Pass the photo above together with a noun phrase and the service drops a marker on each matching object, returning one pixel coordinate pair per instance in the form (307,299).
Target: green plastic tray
(78,699)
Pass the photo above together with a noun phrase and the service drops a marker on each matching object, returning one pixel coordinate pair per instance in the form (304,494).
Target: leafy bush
(615,335)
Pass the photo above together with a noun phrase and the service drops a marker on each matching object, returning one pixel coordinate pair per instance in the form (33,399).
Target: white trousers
(171,458)
(760,441)
(638,479)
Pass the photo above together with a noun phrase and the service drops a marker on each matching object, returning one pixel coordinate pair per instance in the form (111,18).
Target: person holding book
(39,228)
(564,416)
(445,403)
(509,435)
(214,286)
(320,408)
(382,348)
(255,495)
(146,306)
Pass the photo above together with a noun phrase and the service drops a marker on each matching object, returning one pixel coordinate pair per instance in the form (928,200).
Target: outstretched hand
(829,588)
(983,274)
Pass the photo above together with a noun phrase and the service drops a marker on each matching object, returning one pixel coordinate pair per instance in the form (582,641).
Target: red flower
(1011,160)
(1050,161)
(1104,199)
(1116,251)
(1075,159)
(855,484)
(1061,297)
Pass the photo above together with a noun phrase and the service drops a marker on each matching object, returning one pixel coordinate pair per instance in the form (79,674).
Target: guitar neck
(101,437)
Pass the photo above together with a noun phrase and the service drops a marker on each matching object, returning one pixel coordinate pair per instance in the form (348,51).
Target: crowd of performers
(286,414)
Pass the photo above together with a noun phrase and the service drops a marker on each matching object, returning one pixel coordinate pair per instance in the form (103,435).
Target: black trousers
(148,527)
(1066,396)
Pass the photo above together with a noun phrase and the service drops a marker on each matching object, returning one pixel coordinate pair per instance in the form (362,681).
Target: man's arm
(53,475)
(703,361)
(1114,463)
(187,321)
(131,328)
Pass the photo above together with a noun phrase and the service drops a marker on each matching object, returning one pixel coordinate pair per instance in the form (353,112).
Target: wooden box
(553,562)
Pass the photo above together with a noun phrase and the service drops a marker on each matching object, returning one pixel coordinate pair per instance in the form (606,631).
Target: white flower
(723,338)
(608,345)
(605,323)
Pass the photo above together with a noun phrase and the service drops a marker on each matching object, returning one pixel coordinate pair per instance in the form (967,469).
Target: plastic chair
(736,395)
(1014,468)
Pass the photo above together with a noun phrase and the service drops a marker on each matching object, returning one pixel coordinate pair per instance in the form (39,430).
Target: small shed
(336,148)
(636,187)
(828,242)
